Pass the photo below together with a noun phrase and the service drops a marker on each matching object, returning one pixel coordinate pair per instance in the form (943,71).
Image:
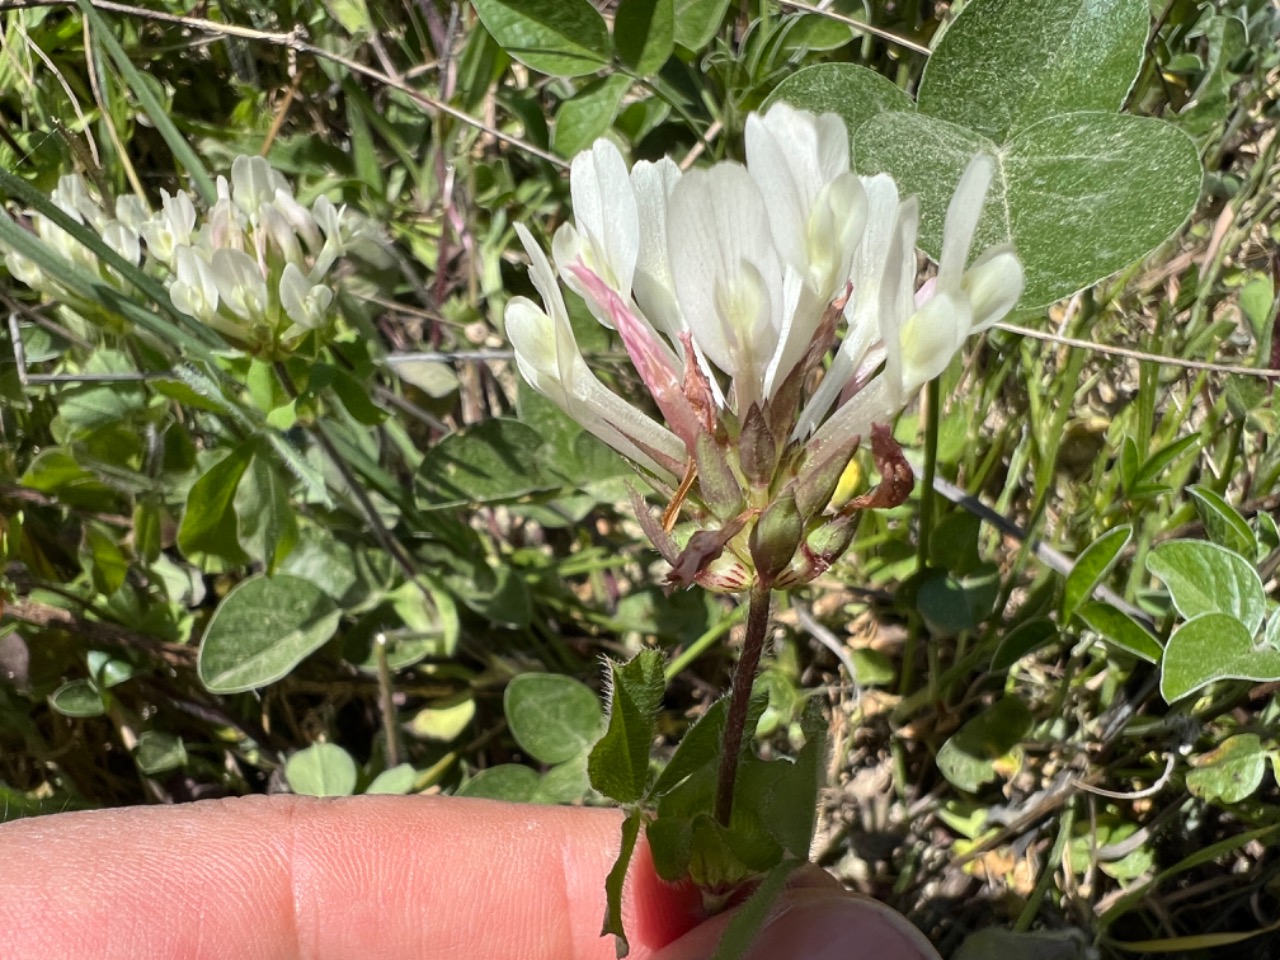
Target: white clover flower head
(254,266)
(730,287)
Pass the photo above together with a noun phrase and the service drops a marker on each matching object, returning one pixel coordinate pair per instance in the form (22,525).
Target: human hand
(426,878)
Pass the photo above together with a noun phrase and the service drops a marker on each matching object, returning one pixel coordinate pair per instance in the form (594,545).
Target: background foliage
(399,574)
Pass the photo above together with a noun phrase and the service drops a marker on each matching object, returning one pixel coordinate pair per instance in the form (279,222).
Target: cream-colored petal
(994,284)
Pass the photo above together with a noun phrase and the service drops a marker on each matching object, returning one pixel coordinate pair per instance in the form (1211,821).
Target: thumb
(817,924)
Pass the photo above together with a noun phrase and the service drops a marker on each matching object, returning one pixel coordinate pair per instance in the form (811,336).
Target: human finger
(292,877)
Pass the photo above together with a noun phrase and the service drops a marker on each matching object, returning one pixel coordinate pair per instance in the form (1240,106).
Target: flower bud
(717,483)
(775,537)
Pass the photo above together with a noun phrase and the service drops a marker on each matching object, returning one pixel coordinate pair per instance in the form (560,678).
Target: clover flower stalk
(256,267)
(772,310)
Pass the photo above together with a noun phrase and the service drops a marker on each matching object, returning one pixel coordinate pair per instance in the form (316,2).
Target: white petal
(994,284)
(876,403)
(931,337)
(963,214)
(782,155)
(252,183)
(549,360)
(240,283)
(293,294)
(131,210)
(801,314)
(833,146)
(727,276)
(541,274)
(123,240)
(897,292)
(653,285)
(605,210)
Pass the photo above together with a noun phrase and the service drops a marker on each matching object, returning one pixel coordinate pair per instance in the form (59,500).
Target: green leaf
(697,21)
(1022,640)
(1231,772)
(853,93)
(78,698)
(565,783)
(699,747)
(209,524)
(321,770)
(743,928)
(507,781)
(791,807)
(1257,297)
(953,604)
(953,543)
(644,34)
(158,753)
(104,559)
(437,380)
(1206,578)
(1213,646)
(444,721)
(968,758)
(89,405)
(1079,196)
(1222,523)
(1118,628)
(397,780)
(355,396)
(1225,40)
(493,462)
(616,880)
(1091,567)
(588,114)
(268,526)
(553,718)
(1003,65)
(562,38)
(619,762)
(262,629)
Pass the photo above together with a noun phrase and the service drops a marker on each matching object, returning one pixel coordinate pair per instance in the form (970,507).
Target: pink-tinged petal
(653,359)
(548,357)
(699,389)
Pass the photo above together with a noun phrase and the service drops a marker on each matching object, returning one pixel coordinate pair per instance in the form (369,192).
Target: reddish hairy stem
(740,699)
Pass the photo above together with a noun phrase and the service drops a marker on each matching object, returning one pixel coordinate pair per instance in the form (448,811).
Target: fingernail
(822,925)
